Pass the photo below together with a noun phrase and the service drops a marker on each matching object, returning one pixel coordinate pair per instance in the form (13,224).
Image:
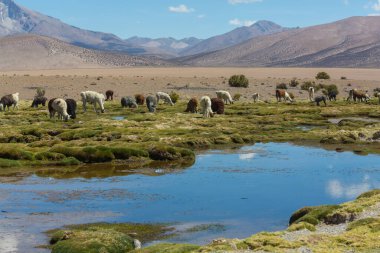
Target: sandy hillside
(39,52)
(187,82)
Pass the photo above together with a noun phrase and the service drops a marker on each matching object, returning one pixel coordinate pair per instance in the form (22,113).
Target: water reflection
(337,189)
(111,170)
(242,191)
(248,156)
(8,243)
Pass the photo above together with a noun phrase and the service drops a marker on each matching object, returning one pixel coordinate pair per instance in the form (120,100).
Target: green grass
(170,135)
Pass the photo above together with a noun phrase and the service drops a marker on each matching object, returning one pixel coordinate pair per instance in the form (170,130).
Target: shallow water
(118,118)
(248,190)
(364,119)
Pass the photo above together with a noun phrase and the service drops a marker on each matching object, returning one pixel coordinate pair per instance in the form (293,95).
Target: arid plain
(187,82)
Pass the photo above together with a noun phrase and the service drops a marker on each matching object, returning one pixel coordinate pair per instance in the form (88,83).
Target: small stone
(137,244)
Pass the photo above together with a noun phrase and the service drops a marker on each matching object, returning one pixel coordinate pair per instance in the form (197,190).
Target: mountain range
(24,52)
(15,19)
(352,42)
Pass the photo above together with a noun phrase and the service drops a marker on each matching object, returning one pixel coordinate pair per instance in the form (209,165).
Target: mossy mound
(169,248)
(91,241)
(105,237)
(165,153)
(301,226)
(312,215)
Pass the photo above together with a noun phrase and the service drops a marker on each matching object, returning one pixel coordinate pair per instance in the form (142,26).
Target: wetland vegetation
(134,139)
(137,138)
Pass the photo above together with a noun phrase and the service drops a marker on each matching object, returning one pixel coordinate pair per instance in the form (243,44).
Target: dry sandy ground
(187,82)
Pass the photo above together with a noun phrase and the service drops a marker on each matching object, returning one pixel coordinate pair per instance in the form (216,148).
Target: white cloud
(374,14)
(201,16)
(180,9)
(248,156)
(238,22)
(244,1)
(338,190)
(374,5)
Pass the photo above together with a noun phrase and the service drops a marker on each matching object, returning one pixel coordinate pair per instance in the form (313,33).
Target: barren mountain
(23,52)
(15,19)
(234,37)
(353,42)
(165,47)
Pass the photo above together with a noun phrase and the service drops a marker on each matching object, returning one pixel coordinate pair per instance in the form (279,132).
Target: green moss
(78,134)
(68,161)
(50,156)
(6,163)
(166,153)
(270,242)
(34,132)
(126,153)
(313,215)
(95,241)
(369,194)
(87,154)
(14,153)
(301,226)
(169,248)
(372,223)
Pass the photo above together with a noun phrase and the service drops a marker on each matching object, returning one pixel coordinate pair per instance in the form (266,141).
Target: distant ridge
(25,52)
(352,42)
(234,37)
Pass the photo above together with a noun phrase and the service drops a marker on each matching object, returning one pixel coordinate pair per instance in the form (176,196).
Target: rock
(137,244)
(304,250)
(376,136)
(339,218)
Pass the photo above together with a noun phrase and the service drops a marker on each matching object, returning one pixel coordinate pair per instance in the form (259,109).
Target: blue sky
(199,18)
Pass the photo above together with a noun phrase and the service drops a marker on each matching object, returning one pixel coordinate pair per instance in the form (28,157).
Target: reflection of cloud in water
(8,243)
(336,189)
(248,156)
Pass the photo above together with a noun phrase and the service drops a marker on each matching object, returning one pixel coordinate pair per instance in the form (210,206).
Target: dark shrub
(282,86)
(322,76)
(306,85)
(294,83)
(238,81)
(330,89)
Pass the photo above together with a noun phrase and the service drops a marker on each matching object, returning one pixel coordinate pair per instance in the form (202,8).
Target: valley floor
(187,82)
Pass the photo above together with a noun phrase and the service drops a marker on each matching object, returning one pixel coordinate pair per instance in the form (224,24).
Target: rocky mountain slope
(353,42)
(23,52)
(234,37)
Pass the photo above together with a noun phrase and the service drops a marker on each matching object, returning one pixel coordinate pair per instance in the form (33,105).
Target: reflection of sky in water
(257,188)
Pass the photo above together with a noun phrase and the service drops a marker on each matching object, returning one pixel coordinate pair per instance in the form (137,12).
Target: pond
(240,192)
